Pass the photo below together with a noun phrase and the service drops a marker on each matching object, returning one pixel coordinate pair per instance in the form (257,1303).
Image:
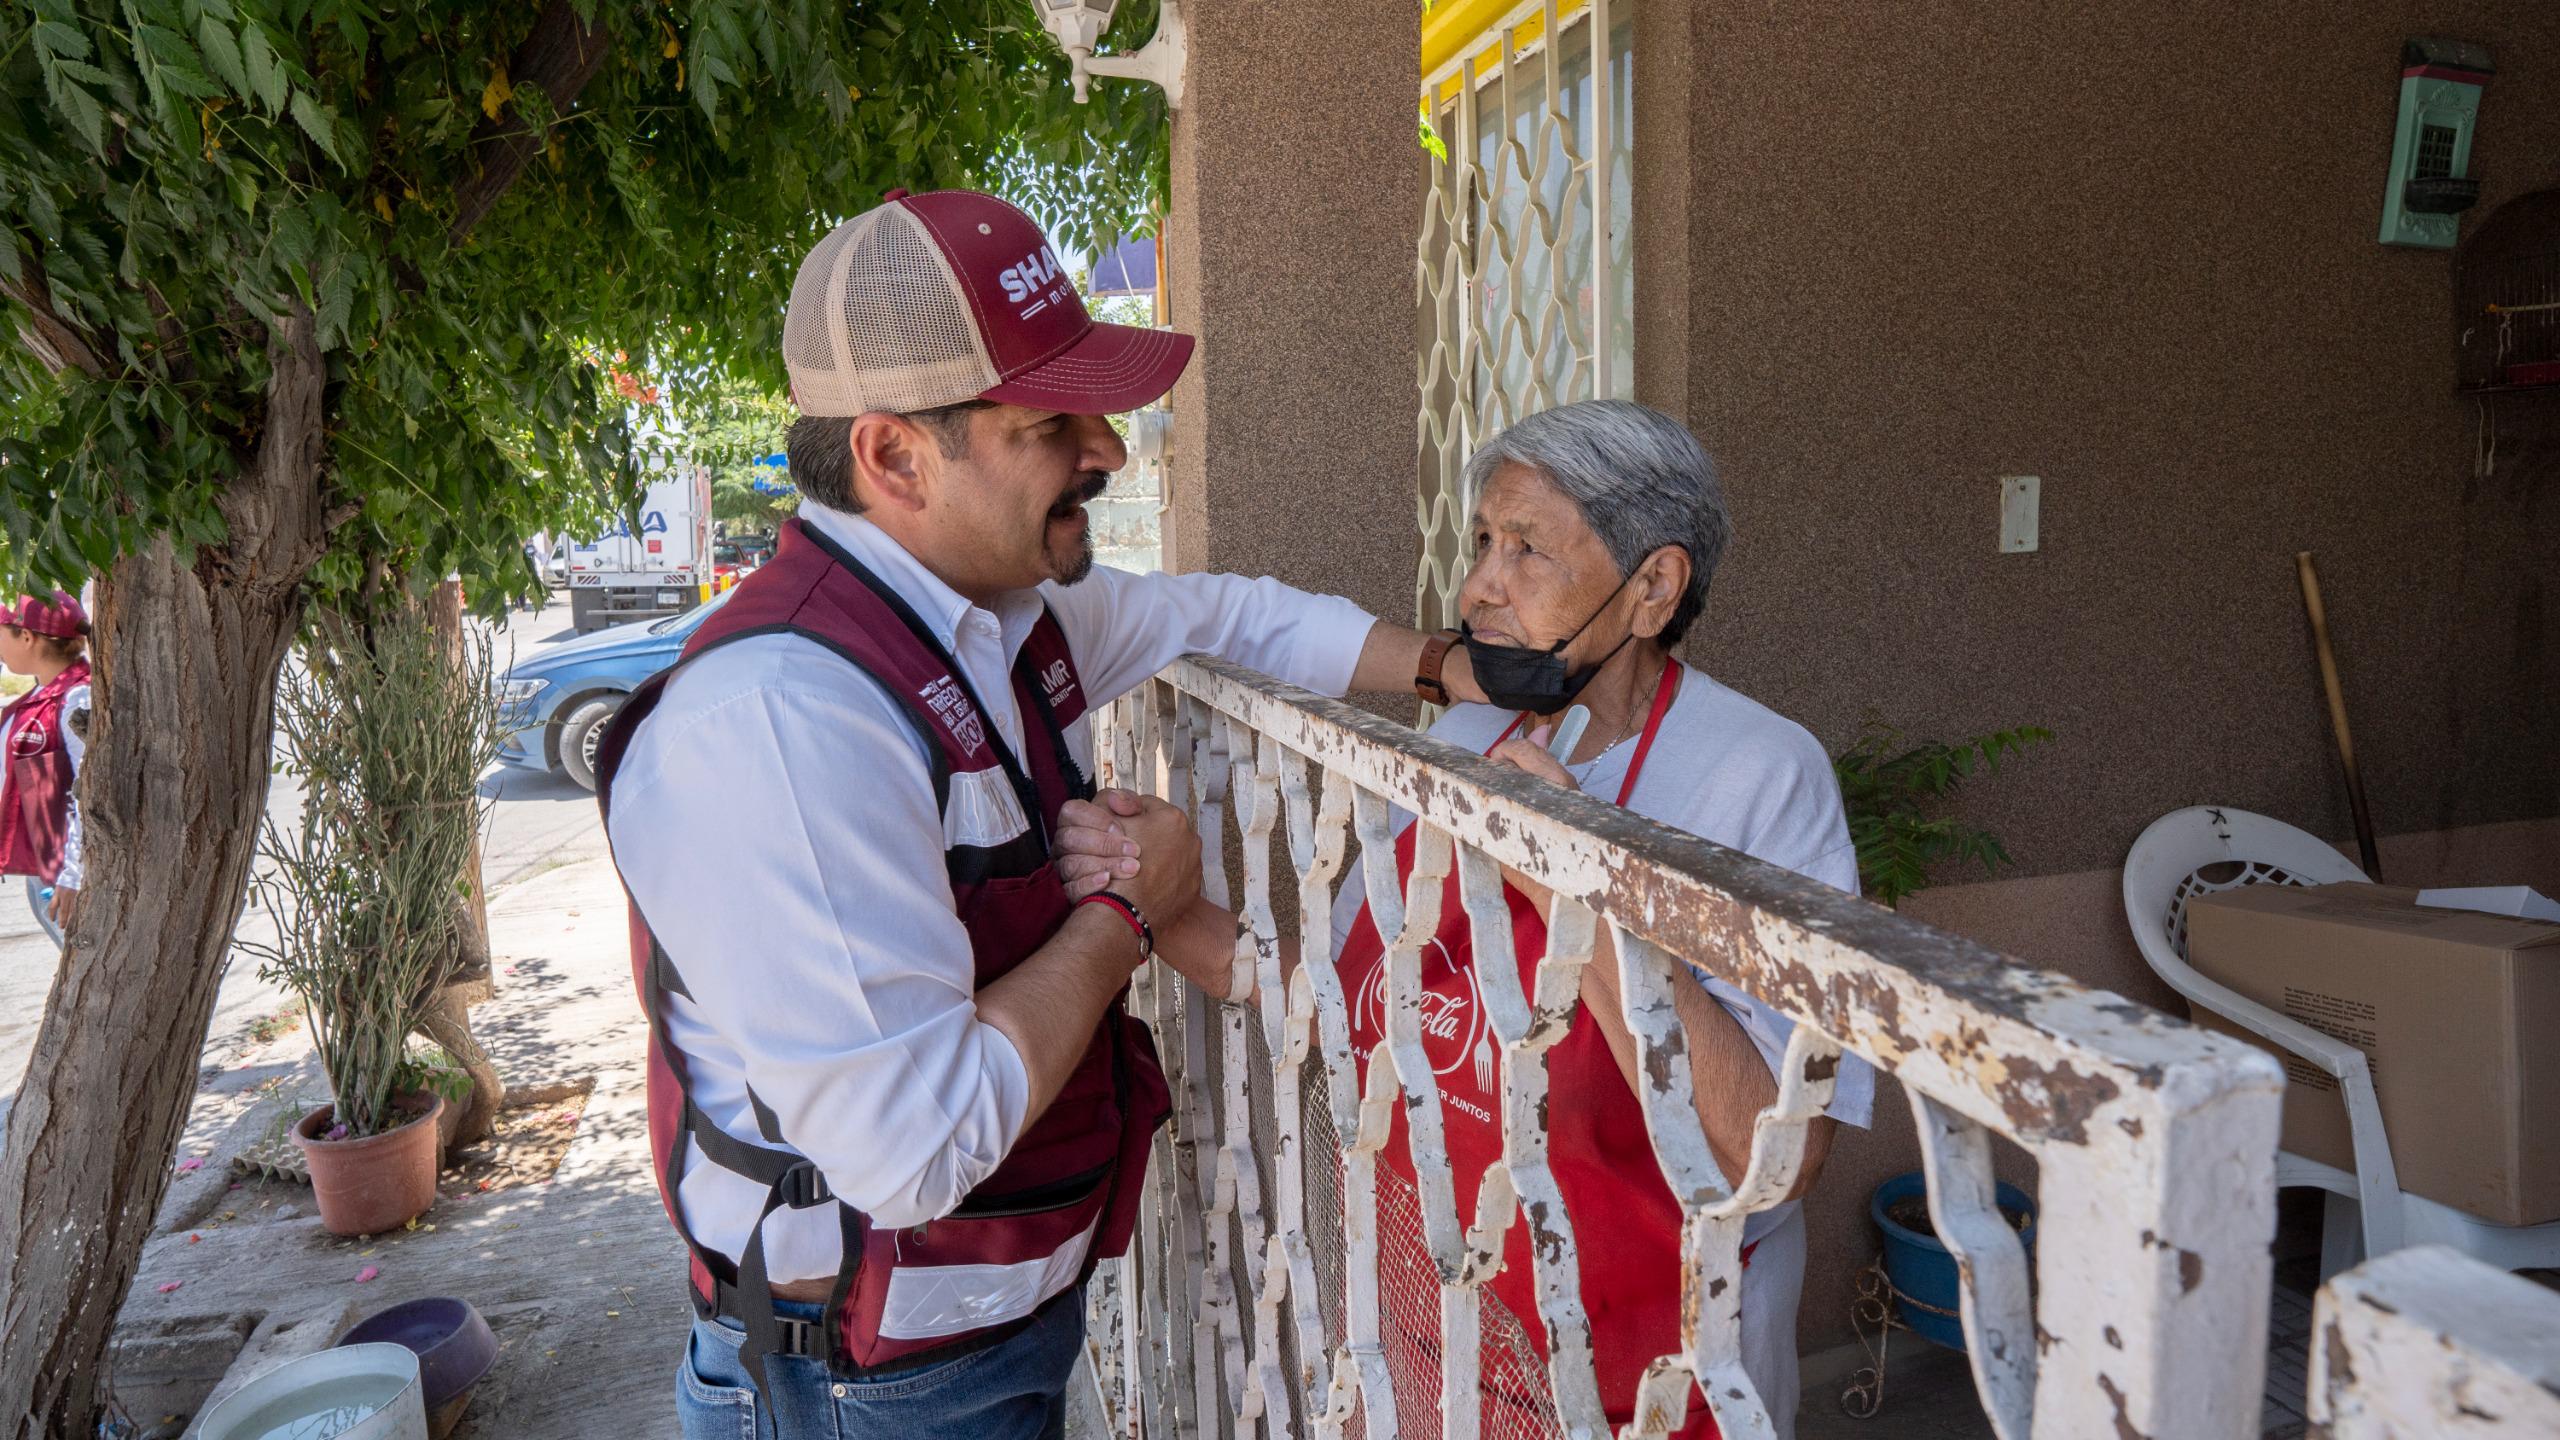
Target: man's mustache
(1090,484)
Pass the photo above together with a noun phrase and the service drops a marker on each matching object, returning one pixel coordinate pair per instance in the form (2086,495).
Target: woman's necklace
(1592,763)
(1633,725)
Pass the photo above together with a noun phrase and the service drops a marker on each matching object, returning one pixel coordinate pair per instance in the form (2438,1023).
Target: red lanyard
(1663,692)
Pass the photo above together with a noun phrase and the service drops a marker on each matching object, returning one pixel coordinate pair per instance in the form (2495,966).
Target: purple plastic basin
(453,1343)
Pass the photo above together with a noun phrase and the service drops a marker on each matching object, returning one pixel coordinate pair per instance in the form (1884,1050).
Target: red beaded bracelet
(1138,923)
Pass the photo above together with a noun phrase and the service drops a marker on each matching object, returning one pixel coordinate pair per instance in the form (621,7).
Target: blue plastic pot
(1921,1269)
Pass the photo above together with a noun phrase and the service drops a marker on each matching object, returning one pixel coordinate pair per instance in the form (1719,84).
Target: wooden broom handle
(2337,711)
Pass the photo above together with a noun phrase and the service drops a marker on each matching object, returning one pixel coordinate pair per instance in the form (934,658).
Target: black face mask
(1516,677)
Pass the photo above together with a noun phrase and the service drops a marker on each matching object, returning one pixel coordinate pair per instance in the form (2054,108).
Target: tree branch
(273,508)
(561,55)
(58,343)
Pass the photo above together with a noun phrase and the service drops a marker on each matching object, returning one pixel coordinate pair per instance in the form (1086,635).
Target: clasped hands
(1138,847)
(1129,843)
(1147,851)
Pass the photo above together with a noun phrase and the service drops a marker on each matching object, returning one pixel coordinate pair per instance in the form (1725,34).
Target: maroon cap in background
(60,616)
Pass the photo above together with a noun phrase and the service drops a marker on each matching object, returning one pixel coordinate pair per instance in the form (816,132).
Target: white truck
(665,569)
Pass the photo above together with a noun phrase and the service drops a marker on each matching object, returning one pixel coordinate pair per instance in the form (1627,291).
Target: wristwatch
(1426,674)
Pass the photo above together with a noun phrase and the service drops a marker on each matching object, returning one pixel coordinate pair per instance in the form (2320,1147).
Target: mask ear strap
(1594,667)
(1558,648)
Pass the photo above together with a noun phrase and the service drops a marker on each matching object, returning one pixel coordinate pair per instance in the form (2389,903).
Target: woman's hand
(1529,752)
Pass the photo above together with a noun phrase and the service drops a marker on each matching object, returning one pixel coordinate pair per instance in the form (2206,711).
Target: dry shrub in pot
(388,724)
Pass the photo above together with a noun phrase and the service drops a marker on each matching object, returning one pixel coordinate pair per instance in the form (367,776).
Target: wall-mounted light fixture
(1078,26)
(2431,178)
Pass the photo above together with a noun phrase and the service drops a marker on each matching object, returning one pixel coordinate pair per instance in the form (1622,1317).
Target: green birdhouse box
(2431,182)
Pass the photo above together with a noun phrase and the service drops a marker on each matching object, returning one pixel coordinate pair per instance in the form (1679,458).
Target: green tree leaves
(175,174)
(264,78)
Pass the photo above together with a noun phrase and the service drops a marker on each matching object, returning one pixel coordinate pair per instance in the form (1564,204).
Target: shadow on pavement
(509,782)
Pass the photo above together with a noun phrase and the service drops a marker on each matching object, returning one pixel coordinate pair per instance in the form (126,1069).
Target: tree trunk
(448,1024)
(469,974)
(171,795)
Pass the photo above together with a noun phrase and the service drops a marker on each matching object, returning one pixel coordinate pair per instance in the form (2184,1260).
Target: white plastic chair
(2206,848)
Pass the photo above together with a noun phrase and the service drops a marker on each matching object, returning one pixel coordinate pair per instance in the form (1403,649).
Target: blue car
(555,704)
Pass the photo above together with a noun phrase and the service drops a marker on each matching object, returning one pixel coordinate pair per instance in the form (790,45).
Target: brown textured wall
(1291,256)
(2128,249)
(1886,253)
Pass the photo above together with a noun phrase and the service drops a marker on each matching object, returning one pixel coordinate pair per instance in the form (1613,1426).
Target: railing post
(2152,1258)
(2429,1342)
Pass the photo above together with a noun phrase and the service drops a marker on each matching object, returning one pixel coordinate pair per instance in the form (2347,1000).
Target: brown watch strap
(1426,673)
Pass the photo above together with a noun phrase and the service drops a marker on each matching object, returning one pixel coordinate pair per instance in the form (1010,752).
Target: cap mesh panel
(904,327)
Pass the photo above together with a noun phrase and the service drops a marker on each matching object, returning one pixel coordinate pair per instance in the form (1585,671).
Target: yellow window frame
(1454,29)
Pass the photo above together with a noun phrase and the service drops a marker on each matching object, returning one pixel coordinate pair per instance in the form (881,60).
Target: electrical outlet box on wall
(2021,501)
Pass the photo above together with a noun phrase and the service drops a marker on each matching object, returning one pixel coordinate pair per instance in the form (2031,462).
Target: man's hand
(1391,654)
(65,906)
(1099,848)
(1140,848)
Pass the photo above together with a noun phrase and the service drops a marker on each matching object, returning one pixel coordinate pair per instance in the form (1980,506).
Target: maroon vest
(35,799)
(1066,1195)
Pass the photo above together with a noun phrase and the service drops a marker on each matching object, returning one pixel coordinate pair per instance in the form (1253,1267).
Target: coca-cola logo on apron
(1454,1030)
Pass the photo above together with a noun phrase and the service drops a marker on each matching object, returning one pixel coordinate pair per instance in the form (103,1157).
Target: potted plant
(388,724)
(1894,792)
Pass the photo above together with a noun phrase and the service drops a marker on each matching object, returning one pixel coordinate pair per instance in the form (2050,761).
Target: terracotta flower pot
(379,1182)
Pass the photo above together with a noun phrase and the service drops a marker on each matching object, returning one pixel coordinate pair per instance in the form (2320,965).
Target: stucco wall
(1289,251)
(2130,251)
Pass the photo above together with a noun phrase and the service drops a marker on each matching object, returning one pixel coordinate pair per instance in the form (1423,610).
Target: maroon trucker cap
(929,300)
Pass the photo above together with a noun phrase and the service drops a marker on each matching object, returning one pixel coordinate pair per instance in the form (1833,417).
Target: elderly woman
(1596,530)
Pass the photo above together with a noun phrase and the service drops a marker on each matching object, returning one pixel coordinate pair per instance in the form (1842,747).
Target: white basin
(354,1392)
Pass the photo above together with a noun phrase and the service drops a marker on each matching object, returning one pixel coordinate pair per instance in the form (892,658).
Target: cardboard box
(2458,1013)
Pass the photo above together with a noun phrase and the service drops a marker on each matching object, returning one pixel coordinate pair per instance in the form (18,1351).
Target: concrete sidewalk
(579,1277)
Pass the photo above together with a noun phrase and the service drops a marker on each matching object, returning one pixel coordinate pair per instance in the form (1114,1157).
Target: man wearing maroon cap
(41,733)
(897,1114)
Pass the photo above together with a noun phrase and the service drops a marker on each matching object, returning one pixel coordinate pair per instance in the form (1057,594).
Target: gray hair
(1639,477)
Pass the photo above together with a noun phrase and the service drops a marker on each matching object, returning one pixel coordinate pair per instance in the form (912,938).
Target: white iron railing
(2427,1342)
(1259,1298)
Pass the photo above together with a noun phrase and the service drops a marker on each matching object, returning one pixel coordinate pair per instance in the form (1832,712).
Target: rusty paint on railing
(2155,1140)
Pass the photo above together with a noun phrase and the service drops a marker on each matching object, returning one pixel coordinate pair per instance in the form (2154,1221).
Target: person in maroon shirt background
(41,734)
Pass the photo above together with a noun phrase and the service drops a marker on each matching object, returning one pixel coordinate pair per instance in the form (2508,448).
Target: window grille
(1524,299)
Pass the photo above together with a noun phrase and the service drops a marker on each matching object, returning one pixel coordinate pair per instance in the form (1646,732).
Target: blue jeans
(1013,1390)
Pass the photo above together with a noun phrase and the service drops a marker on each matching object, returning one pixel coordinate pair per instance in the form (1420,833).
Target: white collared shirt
(775,820)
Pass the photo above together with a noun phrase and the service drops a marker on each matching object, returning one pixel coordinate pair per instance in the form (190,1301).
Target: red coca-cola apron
(1596,1143)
